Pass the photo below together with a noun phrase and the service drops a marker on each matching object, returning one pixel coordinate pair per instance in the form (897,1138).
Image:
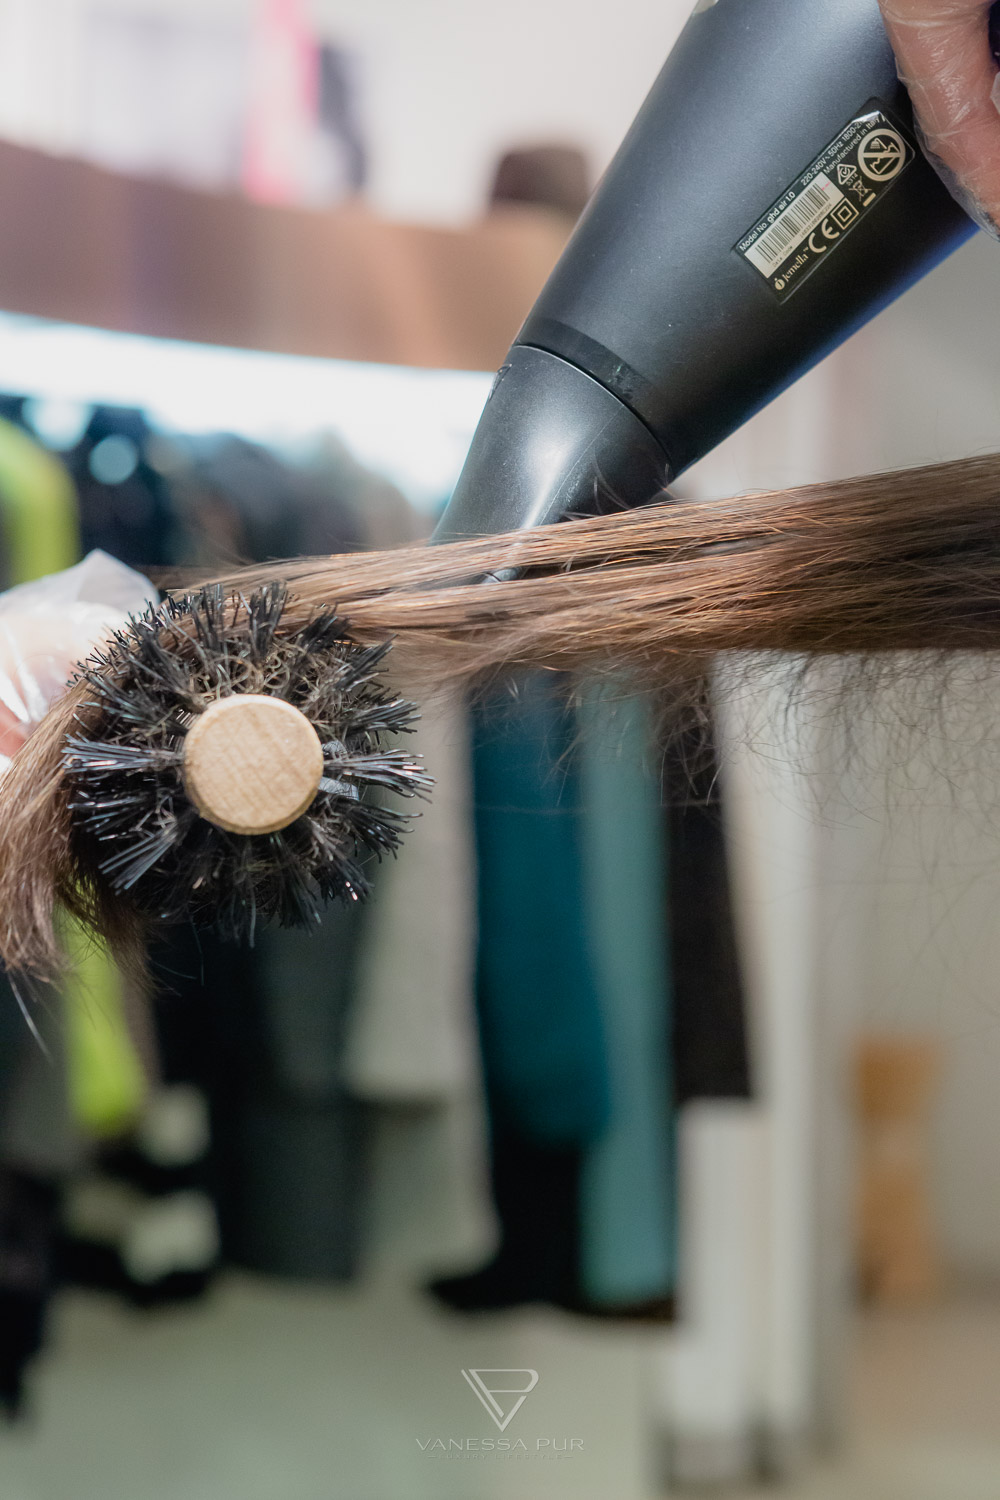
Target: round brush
(232,769)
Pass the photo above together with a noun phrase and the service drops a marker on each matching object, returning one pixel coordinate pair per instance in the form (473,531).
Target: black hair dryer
(769,199)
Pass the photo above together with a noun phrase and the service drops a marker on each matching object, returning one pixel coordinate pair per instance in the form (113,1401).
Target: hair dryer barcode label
(827,200)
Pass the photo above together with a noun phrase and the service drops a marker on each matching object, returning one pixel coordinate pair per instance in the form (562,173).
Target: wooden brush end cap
(252,764)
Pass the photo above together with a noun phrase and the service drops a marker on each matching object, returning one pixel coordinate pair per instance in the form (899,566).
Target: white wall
(923,383)
(452,83)
(449,84)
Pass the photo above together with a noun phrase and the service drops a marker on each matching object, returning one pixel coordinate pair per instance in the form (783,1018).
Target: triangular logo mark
(489,1384)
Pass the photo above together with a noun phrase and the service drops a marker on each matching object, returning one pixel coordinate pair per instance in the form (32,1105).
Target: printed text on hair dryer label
(826,201)
(793,224)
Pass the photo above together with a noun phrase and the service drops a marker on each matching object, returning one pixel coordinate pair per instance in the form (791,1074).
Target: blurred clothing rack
(84,245)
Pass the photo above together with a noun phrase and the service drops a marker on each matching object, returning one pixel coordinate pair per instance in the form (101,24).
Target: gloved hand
(946,60)
(47,626)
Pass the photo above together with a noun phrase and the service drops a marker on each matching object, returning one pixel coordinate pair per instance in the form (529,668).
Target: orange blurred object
(895,1084)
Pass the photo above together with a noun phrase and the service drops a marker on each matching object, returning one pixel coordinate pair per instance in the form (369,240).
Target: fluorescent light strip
(412,425)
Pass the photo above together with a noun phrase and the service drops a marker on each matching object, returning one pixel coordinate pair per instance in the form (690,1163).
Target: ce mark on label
(841,218)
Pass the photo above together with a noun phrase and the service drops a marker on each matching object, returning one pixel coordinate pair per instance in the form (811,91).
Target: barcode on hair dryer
(793,224)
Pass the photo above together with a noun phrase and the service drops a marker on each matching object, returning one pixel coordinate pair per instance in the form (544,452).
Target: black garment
(710,1053)
(537,1194)
(261,1031)
(37,1148)
(131,517)
(536,1190)
(121,1215)
(237,502)
(28,1208)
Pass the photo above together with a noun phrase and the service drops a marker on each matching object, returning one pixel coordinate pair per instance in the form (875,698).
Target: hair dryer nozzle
(551,442)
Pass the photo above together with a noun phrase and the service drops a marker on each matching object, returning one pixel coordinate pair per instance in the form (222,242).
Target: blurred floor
(270,1391)
(278,1392)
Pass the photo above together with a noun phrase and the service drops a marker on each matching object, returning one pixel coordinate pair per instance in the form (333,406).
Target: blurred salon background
(659,1083)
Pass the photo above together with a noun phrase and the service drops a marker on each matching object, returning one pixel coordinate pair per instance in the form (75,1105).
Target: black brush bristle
(134,827)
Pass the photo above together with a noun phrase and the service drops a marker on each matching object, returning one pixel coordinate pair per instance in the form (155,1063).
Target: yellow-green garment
(104,1076)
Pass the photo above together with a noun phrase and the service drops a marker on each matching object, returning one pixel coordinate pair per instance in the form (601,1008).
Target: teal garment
(542,1038)
(628,1190)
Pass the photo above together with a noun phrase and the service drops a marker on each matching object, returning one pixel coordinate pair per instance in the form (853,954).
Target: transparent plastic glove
(49,625)
(945,59)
